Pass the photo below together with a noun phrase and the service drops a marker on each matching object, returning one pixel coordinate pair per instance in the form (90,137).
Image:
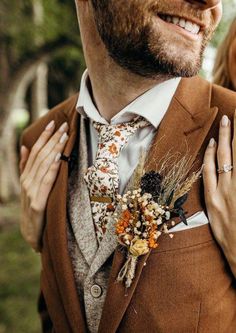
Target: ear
(232,63)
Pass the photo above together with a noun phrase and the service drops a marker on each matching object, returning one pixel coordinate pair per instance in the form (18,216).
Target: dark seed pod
(151,183)
(182,216)
(180,201)
(170,198)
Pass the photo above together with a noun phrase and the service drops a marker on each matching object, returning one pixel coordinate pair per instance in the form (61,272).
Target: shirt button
(96,291)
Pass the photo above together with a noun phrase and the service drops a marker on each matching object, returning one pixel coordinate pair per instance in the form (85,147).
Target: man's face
(157,37)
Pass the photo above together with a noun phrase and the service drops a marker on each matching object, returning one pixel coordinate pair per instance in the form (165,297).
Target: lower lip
(180,30)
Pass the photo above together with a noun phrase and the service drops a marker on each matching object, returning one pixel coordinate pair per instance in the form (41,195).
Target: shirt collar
(152,105)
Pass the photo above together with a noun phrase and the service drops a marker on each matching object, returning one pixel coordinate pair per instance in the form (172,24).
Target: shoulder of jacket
(224,99)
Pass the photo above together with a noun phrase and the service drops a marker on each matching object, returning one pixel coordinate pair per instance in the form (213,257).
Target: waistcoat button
(96,291)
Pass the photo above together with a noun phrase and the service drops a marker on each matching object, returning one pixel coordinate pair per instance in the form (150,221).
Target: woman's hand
(220,189)
(38,169)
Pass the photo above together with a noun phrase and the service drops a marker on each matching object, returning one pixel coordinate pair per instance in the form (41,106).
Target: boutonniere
(155,198)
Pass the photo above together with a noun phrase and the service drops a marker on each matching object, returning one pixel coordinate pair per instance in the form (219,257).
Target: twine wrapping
(127,272)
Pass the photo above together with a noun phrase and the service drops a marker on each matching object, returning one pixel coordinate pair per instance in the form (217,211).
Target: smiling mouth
(185,24)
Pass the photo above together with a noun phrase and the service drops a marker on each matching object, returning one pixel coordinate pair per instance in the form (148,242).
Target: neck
(112,87)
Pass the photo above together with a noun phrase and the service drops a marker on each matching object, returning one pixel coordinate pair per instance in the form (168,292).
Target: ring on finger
(225,168)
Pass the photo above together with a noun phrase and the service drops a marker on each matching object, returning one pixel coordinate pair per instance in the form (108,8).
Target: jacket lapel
(79,202)
(57,241)
(183,130)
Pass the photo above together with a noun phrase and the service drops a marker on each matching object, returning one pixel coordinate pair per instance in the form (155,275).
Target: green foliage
(19,284)
(229,12)
(22,34)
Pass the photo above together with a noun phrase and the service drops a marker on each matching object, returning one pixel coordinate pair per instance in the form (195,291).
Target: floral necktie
(102,178)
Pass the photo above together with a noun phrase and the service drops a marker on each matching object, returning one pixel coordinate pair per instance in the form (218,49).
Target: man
(136,52)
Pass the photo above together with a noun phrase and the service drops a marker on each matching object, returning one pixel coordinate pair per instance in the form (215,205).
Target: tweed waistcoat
(82,241)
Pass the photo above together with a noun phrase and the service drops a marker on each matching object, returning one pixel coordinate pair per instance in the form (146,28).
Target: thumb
(24,154)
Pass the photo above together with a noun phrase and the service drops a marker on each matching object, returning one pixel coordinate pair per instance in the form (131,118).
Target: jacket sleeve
(46,322)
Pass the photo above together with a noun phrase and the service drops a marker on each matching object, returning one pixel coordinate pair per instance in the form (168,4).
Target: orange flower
(110,208)
(113,149)
(104,169)
(126,215)
(103,188)
(149,218)
(117,133)
(152,243)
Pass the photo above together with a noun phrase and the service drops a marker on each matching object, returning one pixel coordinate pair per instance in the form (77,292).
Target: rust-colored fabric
(185,285)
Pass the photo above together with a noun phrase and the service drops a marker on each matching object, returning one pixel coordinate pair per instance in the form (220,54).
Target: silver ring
(225,168)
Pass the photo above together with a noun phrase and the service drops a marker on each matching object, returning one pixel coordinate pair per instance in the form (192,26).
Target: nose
(205,4)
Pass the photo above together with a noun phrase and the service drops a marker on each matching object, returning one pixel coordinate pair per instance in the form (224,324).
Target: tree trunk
(11,96)
(39,100)
(9,179)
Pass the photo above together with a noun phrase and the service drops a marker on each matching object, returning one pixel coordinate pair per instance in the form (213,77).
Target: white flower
(157,235)
(167,215)
(138,224)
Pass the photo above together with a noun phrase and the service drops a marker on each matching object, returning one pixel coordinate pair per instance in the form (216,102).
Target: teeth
(175,20)
(187,25)
(182,23)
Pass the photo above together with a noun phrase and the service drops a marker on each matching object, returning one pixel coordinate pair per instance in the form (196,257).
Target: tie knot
(108,132)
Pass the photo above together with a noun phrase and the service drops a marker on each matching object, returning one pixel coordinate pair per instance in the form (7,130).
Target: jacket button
(96,291)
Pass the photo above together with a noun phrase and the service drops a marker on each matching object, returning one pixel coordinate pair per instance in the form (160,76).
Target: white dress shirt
(152,105)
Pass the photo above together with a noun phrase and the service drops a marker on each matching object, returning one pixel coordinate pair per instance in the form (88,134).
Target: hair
(221,71)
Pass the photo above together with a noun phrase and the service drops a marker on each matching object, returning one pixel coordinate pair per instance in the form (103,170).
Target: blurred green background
(41,62)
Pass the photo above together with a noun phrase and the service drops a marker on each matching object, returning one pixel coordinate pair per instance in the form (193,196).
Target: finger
(209,170)
(47,182)
(43,138)
(54,145)
(224,153)
(24,154)
(51,159)
(234,141)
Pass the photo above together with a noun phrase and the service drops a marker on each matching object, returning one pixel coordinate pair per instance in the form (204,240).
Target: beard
(137,41)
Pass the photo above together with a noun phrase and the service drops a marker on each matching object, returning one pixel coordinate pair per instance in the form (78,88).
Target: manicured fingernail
(63,138)
(50,125)
(224,121)
(211,143)
(63,127)
(57,158)
(22,149)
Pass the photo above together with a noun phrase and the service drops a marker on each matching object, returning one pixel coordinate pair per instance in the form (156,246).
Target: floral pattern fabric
(102,178)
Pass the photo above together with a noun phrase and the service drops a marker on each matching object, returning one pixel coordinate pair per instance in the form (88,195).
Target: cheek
(217,13)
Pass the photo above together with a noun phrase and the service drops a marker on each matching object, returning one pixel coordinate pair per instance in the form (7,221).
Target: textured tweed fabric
(82,241)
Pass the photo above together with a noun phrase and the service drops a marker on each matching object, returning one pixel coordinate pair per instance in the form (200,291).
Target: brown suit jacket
(186,285)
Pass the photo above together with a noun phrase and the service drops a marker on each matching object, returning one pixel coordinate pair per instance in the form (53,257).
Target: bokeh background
(41,62)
